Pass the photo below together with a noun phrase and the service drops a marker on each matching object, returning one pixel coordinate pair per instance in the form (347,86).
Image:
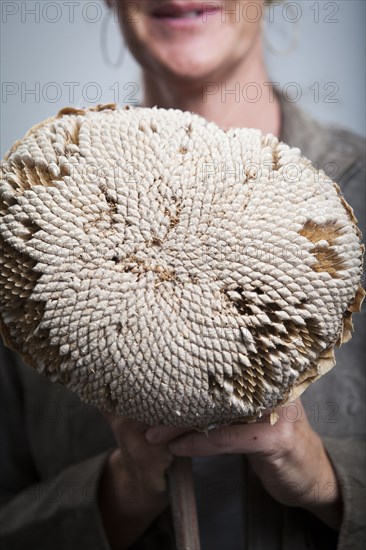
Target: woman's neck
(243,97)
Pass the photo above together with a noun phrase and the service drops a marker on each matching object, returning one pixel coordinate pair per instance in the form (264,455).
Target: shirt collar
(326,147)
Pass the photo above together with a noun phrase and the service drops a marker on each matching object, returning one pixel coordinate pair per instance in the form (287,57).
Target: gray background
(71,53)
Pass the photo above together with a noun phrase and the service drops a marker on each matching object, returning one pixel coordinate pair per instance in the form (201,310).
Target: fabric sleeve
(348,457)
(58,513)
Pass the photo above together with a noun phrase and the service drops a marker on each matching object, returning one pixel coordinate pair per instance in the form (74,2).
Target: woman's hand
(289,458)
(133,487)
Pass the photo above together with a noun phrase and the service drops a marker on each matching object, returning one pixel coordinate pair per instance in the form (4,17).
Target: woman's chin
(186,65)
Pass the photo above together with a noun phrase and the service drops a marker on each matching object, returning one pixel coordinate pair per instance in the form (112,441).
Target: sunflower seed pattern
(169,270)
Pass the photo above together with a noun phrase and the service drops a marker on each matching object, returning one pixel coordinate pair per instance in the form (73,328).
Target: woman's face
(189,39)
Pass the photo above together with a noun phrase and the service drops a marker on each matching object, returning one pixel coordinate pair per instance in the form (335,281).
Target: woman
(295,485)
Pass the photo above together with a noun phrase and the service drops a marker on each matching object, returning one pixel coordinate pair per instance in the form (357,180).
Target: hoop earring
(294,38)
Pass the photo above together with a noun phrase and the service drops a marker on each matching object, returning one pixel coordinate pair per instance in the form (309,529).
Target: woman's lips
(180,15)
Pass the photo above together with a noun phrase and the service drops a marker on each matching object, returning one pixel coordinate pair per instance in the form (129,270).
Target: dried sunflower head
(171,271)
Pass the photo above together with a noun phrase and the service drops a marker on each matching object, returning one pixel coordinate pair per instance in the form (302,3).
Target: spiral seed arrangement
(170,271)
